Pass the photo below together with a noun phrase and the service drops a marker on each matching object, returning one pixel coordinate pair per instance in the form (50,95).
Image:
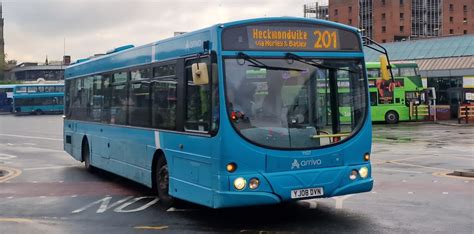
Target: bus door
(192,152)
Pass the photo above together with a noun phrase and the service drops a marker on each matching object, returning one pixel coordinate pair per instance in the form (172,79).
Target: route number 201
(325,40)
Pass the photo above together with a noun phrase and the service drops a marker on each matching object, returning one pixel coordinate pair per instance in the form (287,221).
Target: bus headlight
(254,183)
(240,183)
(364,172)
(353,175)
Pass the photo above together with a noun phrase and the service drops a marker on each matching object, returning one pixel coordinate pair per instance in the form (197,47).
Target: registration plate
(305,193)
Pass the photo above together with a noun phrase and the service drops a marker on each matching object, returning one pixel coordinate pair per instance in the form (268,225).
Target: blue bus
(237,114)
(6,98)
(38,99)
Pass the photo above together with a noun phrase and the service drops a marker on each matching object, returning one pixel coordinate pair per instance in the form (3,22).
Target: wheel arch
(159,153)
(84,141)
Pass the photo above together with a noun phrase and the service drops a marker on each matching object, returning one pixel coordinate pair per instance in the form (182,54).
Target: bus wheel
(38,112)
(162,183)
(391,117)
(86,156)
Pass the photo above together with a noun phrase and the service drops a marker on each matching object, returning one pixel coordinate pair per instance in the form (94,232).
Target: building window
(350,21)
(335,12)
(383,16)
(401,2)
(383,29)
(383,41)
(401,16)
(464,21)
(383,2)
(465,31)
(451,31)
(451,19)
(451,7)
(401,28)
(465,8)
(350,9)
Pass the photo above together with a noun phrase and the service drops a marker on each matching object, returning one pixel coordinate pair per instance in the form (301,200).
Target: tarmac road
(47,191)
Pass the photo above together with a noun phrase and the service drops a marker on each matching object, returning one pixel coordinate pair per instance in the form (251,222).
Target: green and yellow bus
(398,100)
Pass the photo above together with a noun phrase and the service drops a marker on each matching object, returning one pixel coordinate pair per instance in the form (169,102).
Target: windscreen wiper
(255,63)
(311,62)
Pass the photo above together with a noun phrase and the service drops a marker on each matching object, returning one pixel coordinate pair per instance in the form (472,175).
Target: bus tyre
(86,156)
(38,112)
(391,117)
(162,181)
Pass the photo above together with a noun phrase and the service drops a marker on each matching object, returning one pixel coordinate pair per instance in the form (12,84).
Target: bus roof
(6,86)
(394,64)
(33,85)
(175,47)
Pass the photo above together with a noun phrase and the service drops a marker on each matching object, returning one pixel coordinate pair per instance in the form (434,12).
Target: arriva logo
(305,163)
(295,164)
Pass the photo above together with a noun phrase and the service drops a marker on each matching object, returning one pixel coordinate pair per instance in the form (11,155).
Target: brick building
(397,20)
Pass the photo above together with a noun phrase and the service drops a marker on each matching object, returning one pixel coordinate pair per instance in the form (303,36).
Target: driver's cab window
(198,99)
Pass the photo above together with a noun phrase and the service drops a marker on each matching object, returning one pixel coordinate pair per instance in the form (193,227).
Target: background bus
(390,102)
(189,117)
(38,98)
(6,98)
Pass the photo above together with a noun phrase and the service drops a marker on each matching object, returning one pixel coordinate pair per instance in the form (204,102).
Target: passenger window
(164,99)
(119,101)
(140,74)
(373,98)
(139,110)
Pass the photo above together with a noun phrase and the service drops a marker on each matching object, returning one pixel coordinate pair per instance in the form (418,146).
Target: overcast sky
(35,29)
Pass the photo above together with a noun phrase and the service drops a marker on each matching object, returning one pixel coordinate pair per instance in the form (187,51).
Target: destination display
(290,37)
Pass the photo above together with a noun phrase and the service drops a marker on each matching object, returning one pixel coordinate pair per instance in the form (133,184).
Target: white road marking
(47,168)
(445,193)
(6,156)
(312,204)
(172,209)
(104,204)
(121,209)
(410,192)
(340,200)
(374,192)
(31,137)
(9,197)
(74,196)
(29,144)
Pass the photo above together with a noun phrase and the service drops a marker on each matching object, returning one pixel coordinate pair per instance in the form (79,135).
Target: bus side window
(139,101)
(164,95)
(373,98)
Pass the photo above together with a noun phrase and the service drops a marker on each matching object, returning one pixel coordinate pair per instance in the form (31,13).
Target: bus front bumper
(277,187)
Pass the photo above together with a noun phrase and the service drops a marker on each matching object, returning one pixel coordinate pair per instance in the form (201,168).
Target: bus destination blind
(292,38)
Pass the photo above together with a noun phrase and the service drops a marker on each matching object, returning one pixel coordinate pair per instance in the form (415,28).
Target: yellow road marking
(415,165)
(445,174)
(398,160)
(151,227)
(12,173)
(451,156)
(16,220)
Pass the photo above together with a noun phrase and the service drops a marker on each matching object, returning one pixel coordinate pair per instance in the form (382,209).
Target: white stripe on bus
(157,140)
